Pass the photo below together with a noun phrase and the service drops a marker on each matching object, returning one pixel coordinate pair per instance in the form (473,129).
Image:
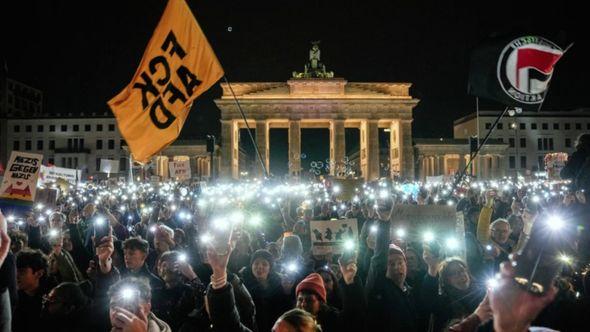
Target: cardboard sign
(180,170)
(328,236)
(47,197)
(442,221)
(20,178)
(347,188)
(52,174)
(109,166)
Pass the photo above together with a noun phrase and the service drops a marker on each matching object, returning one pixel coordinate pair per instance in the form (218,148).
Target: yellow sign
(178,65)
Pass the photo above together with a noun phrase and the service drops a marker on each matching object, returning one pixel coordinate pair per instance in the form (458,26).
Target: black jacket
(389,307)
(352,317)
(271,302)
(223,311)
(446,309)
(175,304)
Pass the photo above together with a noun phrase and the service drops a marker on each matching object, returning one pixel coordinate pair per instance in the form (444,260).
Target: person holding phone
(130,307)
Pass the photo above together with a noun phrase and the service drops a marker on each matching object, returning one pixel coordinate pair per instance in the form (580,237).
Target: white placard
(328,236)
(109,166)
(51,174)
(20,177)
(180,170)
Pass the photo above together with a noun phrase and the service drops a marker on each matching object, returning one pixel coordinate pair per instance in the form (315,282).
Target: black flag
(514,72)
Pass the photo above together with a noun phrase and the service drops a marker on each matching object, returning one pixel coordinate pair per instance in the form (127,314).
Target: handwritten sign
(20,178)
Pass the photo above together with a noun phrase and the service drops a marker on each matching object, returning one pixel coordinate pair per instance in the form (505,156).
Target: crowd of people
(174,256)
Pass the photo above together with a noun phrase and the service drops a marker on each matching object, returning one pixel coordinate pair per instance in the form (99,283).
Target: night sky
(82,53)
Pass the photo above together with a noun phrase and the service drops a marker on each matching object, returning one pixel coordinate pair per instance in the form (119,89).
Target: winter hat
(313,283)
(394,249)
(264,254)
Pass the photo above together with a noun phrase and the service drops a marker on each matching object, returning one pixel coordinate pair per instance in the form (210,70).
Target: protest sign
(51,174)
(328,236)
(180,170)
(20,178)
(442,221)
(109,166)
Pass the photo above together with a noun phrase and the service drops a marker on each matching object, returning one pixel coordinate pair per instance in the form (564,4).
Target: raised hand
(348,270)
(514,308)
(126,321)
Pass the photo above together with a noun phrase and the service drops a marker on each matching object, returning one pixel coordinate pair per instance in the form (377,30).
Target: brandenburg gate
(315,99)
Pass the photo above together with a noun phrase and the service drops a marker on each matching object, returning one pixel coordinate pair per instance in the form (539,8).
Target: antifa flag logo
(525,68)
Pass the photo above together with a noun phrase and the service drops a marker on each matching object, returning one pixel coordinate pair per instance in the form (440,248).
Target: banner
(109,166)
(515,72)
(180,170)
(20,177)
(328,236)
(52,174)
(177,66)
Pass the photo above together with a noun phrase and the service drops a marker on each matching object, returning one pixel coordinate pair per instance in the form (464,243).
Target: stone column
(227,148)
(406,150)
(337,148)
(394,149)
(262,128)
(295,148)
(462,164)
(373,149)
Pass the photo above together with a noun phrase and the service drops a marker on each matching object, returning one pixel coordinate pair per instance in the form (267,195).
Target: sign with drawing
(328,236)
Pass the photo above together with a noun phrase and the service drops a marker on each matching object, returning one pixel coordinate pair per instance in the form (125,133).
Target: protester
(264,285)
(408,282)
(130,307)
(32,283)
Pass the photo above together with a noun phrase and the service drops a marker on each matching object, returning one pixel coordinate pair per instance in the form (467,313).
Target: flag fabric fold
(513,71)
(177,66)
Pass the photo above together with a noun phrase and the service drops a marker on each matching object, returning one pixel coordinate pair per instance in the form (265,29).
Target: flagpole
(479,147)
(248,127)
(267,175)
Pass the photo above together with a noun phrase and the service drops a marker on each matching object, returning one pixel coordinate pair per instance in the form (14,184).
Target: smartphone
(100,228)
(537,264)
(129,300)
(221,241)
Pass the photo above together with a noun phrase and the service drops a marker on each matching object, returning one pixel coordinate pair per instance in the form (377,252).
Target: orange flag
(178,65)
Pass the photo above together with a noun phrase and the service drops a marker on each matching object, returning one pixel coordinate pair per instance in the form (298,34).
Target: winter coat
(390,308)
(223,311)
(271,302)
(452,306)
(176,303)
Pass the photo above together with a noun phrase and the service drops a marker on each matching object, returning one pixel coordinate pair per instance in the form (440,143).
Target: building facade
(80,141)
(16,100)
(332,103)
(528,135)
(70,141)
(449,156)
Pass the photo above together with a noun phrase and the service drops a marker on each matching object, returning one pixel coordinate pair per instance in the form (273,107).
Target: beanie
(394,249)
(264,254)
(313,283)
